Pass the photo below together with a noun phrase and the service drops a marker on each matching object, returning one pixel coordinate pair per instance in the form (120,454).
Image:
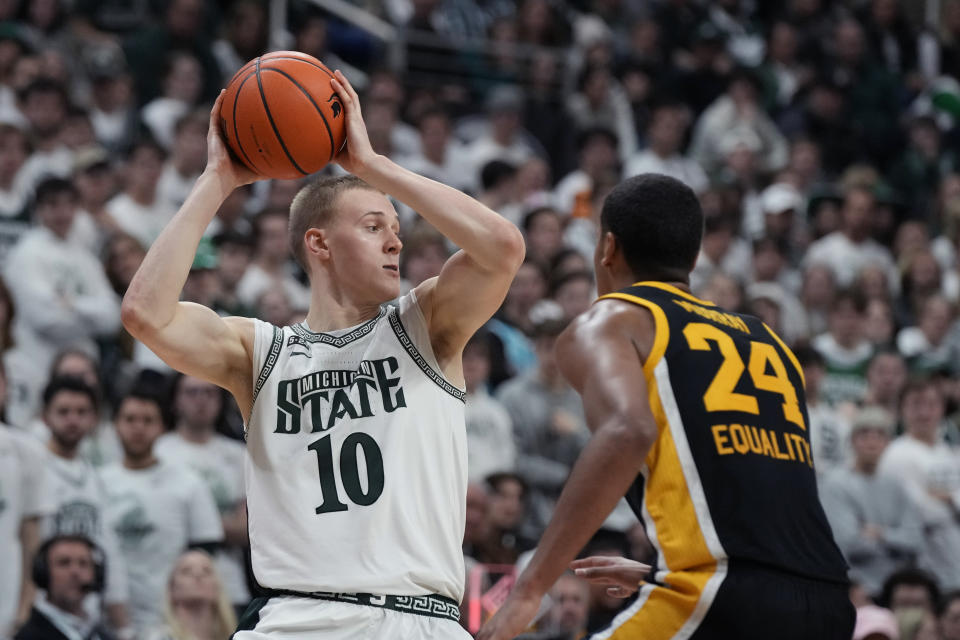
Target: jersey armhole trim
(275,346)
(397,325)
(661,336)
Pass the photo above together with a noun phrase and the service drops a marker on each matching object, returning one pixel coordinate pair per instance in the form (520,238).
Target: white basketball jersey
(357,465)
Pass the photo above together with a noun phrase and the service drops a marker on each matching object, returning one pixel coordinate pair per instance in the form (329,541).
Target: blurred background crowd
(820,135)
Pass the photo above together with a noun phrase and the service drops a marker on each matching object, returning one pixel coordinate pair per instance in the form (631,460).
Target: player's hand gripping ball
(280,116)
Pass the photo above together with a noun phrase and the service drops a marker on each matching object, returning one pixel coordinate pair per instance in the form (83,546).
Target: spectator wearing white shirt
(600,101)
(60,290)
(271,266)
(245,37)
(156,508)
(829,427)
(113,109)
(929,469)
(138,209)
(848,250)
(597,148)
(886,377)
(26,497)
(499,191)
(44,104)
(874,520)
(739,113)
(440,157)
(665,134)
(490,445)
(70,413)
(182,85)
(782,205)
(96,182)
(219,461)
(504,140)
(926,346)
(543,232)
(722,251)
(188,157)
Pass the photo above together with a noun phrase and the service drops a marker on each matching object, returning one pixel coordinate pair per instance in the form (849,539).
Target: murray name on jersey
(317,401)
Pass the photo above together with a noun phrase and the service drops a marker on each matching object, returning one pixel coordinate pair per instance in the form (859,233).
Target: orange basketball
(281,117)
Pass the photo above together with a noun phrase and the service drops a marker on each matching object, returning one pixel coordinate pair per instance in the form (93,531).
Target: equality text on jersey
(319,400)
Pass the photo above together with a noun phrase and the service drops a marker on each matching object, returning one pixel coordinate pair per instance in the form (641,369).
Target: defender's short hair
(658,222)
(313,206)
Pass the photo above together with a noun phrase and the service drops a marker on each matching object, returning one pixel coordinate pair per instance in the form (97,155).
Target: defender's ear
(609,249)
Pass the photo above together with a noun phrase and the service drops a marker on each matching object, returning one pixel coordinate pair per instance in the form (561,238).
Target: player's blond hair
(226,618)
(314,206)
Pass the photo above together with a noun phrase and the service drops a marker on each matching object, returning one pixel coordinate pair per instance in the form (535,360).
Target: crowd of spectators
(820,135)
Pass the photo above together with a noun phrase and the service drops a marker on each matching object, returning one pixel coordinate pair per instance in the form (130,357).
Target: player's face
(138,425)
(70,416)
(364,243)
(194,578)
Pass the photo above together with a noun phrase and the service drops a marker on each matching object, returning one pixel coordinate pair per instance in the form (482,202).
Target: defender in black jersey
(699,418)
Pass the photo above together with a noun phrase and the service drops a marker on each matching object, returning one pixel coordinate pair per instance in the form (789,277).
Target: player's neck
(331,314)
(624,280)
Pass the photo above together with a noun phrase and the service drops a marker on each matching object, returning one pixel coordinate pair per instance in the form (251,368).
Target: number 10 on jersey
(349,468)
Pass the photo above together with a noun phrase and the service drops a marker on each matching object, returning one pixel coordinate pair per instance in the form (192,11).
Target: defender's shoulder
(609,321)
(611,315)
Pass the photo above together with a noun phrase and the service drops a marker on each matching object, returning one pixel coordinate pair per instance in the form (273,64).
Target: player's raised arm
(599,354)
(189,337)
(475,280)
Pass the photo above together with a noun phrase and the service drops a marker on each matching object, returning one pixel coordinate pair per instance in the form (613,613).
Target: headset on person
(41,562)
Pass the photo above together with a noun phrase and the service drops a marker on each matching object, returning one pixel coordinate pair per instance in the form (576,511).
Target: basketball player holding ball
(356,465)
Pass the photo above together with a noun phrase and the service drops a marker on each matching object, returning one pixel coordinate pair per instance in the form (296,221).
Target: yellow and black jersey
(730,478)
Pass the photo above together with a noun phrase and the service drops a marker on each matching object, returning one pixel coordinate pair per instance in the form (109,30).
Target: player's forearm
(605,470)
(492,241)
(151,300)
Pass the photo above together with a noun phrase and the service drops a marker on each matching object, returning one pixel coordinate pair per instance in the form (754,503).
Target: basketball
(281,117)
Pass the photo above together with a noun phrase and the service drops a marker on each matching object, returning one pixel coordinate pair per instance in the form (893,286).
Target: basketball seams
(236,132)
(252,107)
(312,101)
(273,125)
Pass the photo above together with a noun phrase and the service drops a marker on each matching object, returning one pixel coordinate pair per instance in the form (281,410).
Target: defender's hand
(623,575)
(357,153)
(230,172)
